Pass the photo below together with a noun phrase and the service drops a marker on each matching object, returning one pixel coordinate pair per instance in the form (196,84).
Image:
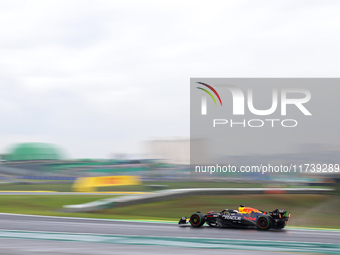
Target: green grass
(61,187)
(67,187)
(179,185)
(307,210)
(44,204)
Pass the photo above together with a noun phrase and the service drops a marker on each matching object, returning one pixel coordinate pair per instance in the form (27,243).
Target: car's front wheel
(197,220)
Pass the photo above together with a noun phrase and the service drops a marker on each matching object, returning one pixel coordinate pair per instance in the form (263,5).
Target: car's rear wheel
(197,220)
(263,222)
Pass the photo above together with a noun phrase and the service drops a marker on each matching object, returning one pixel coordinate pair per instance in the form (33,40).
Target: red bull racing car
(244,217)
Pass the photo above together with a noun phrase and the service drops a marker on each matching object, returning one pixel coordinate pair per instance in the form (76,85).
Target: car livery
(244,217)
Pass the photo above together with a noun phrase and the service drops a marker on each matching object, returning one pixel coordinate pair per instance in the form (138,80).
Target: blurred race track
(21,234)
(12,247)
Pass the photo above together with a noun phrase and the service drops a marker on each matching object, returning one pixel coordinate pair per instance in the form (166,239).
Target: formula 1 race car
(245,217)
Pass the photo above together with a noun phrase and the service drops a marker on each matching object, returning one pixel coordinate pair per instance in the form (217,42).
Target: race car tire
(263,222)
(197,220)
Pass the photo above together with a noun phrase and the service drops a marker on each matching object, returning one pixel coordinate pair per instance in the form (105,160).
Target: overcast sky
(100,77)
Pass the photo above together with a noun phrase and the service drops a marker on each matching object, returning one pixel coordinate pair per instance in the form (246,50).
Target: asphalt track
(21,234)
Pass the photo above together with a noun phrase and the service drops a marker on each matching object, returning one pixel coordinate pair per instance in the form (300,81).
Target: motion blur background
(101,88)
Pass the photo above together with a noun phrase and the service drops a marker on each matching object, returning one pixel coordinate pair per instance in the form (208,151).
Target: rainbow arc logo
(212,89)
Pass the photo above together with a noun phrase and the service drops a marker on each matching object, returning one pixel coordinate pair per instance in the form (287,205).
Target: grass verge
(307,210)
(67,187)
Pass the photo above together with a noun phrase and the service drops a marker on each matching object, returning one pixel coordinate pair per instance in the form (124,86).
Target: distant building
(170,151)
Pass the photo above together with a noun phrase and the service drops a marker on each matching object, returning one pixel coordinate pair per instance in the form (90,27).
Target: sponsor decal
(90,184)
(250,218)
(228,217)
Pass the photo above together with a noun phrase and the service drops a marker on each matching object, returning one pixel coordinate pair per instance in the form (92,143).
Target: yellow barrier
(90,184)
